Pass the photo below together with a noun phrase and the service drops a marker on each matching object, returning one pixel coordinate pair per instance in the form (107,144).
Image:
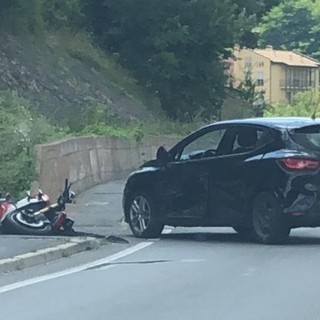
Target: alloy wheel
(140,214)
(21,218)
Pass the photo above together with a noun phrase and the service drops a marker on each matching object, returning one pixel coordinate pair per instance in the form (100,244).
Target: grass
(138,131)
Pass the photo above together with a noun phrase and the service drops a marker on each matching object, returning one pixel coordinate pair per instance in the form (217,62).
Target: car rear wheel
(142,216)
(269,223)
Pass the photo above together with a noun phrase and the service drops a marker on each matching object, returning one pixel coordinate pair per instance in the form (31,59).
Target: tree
(247,91)
(173,47)
(293,24)
(247,88)
(250,13)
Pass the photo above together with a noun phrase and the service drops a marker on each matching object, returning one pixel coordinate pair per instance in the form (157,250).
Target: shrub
(304,105)
(20,130)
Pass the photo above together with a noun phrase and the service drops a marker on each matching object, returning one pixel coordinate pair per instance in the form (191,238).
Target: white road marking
(67,272)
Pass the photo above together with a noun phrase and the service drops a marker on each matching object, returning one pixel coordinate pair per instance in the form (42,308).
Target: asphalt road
(188,274)
(97,211)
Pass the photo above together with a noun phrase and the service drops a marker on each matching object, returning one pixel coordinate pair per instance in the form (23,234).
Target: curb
(43,256)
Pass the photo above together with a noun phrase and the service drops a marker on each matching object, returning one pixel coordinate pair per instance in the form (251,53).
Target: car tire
(269,223)
(142,216)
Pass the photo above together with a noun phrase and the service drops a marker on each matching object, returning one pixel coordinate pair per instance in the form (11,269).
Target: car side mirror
(162,156)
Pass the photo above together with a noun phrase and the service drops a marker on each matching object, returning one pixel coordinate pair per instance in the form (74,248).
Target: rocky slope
(59,82)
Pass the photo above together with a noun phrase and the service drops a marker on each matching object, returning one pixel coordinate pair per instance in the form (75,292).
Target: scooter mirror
(40,194)
(72,196)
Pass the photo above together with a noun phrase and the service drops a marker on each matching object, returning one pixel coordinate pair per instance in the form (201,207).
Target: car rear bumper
(305,212)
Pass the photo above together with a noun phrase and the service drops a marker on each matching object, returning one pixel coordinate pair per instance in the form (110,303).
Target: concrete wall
(88,161)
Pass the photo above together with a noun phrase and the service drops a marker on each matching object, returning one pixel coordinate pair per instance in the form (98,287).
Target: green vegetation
(256,100)
(81,46)
(173,48)
(293,25)
(21,129)
(19,132)
(18,16)
(173,57)
(166,54)
(138,131)
(304,105)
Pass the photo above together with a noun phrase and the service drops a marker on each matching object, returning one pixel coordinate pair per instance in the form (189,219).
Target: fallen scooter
(34,215)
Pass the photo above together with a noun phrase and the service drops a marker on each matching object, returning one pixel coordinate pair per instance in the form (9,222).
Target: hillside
(67,75)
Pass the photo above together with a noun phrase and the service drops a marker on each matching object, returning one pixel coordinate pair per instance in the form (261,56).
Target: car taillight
(300,164)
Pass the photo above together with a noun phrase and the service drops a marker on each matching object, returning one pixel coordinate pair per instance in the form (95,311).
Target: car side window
(204,146)
(248,138)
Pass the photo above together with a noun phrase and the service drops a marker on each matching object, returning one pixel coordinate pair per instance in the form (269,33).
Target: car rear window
(307,137)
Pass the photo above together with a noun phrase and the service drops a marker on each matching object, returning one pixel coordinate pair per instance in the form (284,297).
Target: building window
(261,64)
(300,78)
(247,62)
(260,79)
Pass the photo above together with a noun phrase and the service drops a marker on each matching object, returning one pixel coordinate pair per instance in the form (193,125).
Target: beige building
(280,74)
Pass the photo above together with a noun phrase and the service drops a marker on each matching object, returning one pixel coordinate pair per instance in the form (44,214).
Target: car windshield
(307,137)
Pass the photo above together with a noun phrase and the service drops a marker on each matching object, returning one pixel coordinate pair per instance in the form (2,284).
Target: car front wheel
(142,217)
(269,224)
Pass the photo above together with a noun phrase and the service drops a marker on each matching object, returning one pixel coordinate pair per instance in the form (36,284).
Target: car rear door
(235,173)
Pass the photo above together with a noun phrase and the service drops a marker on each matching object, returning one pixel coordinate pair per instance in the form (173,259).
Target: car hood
(149,166)
(151,163)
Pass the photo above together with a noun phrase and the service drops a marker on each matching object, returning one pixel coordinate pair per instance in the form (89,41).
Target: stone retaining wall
(88,161)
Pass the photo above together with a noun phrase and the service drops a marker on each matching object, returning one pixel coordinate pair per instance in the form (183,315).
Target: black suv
(260,176)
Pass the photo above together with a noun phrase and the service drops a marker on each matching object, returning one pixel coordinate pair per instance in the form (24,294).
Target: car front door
(186,186)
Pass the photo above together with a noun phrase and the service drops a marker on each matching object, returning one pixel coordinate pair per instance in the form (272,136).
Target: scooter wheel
(15,223)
